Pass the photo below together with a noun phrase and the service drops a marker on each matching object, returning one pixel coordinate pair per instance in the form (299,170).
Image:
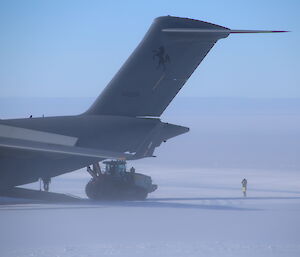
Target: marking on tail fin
(162,57)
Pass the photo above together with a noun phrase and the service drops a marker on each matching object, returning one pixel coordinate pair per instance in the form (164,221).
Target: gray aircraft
(123,123)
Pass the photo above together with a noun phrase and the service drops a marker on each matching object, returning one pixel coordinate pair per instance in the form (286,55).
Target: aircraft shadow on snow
(107,204)
(150,203)
(225,198)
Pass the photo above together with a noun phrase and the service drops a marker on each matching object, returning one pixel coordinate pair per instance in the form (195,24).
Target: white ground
(195,212)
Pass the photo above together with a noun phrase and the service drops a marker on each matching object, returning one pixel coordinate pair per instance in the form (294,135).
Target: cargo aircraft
(123,123)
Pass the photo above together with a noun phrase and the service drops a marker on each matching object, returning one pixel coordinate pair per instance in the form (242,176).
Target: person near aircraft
(132,170)
(244,186)
(46,183)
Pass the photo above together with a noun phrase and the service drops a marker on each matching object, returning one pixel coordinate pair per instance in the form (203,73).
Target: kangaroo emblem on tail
(162,57)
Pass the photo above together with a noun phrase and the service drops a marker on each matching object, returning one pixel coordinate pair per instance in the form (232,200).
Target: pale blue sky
(73,48)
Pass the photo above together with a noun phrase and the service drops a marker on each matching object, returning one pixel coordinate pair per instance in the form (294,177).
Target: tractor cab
(115,167)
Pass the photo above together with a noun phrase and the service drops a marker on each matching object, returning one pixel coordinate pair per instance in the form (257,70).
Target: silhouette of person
(46,183)
(132,170)
(244,187)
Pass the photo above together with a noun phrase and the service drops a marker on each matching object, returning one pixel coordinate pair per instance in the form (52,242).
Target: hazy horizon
(224,132)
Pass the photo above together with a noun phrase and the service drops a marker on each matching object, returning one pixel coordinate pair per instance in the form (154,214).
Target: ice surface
(198,209)
(195,212)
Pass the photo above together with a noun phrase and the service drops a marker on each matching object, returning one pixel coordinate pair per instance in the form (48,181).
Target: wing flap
(60,149)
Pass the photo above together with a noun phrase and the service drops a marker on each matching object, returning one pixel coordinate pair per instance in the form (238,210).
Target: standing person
(132,170)
(131,175)
(244,186)
(46,183)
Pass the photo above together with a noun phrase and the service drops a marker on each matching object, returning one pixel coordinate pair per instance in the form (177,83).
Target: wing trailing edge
(27,145)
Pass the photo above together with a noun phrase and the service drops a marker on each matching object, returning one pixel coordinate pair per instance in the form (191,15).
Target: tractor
(116,183)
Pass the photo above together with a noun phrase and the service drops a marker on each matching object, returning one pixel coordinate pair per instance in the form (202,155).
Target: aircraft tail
(159,67)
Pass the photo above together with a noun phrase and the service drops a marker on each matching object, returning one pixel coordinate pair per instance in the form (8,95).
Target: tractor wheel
(92,189)
(102,189)
(141,194)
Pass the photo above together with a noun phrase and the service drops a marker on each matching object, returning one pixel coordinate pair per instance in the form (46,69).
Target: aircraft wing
(19,144)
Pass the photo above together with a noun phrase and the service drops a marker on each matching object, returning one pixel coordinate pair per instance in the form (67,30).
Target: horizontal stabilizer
(19,144)
(231,31)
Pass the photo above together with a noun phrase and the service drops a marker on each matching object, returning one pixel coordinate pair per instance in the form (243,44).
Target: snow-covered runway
(196,211)
(202,214)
